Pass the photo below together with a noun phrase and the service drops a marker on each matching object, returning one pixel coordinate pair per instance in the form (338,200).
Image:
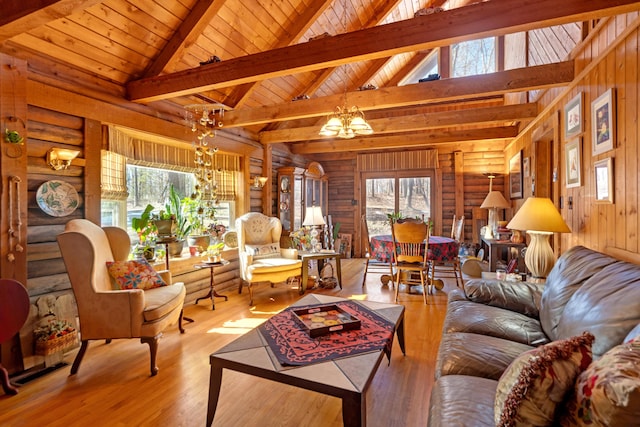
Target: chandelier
(346,123)
(203,120)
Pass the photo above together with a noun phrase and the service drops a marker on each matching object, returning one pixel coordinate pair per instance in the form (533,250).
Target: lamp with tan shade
(494,201)
(539,217)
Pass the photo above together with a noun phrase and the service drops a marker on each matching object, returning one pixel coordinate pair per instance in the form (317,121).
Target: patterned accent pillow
(608,392)
(538,381)
(134,274)
(270,250)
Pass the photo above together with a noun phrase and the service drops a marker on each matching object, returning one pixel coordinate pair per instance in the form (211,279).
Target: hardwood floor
(113,386)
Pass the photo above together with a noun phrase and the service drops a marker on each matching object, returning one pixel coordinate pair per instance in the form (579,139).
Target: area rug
(292,345)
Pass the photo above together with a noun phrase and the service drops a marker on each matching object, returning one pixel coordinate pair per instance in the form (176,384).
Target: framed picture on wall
(515,176)
(603,122)
(573,162)
(603,170)
(573,117)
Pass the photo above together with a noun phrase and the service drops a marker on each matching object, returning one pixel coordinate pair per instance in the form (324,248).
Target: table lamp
(313,218)
(494,201)
(540,219)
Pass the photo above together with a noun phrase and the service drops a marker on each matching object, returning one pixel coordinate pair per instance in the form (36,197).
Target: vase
(175,248)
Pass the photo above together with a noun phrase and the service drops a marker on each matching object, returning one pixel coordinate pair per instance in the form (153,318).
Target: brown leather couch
(489,323)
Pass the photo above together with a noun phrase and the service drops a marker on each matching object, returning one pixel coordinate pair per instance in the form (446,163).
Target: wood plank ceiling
(149,52)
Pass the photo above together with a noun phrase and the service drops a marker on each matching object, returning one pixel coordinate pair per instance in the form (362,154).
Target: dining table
(440,248)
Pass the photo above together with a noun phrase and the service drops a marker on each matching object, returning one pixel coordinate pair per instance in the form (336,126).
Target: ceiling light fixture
(346,122)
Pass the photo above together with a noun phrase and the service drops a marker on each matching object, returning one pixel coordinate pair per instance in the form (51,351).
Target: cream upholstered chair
(104,311)
(261,258)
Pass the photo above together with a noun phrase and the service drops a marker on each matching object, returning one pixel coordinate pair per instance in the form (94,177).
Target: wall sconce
(60,158)
(259,181)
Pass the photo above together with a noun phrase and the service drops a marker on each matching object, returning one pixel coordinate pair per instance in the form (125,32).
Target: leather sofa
(489,323)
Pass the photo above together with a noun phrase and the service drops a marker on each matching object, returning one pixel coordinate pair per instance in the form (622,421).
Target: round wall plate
(57,198)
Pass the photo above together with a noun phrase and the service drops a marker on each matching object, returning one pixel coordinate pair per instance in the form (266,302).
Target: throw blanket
(292,344)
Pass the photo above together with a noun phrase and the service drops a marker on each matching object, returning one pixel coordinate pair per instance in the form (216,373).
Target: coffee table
(345,377)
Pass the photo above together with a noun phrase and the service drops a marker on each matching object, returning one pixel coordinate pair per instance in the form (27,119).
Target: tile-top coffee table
(345,377)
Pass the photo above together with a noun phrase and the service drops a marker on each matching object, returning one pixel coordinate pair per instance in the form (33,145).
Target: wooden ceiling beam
(21,16)
(419,33)
(405,140)
(417,122)
(518,79)
(186,34)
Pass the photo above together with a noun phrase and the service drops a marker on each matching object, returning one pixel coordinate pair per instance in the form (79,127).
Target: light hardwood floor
(113,386)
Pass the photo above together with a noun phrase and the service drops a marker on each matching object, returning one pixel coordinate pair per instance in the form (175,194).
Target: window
(428,67)
(409,194)
(473,57)
(148,185)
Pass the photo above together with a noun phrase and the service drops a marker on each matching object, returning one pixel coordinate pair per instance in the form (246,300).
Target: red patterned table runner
(292,345)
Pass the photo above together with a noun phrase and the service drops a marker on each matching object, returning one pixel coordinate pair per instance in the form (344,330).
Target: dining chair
(450,268)
(371,263)
(410,253)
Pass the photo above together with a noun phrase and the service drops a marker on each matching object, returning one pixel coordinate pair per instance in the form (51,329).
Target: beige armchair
(261,258)
(106,313)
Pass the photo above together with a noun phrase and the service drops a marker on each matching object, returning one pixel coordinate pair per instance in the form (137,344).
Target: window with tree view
(409,196)
(473,57)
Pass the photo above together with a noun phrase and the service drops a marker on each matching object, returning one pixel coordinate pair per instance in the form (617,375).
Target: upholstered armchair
(105,311)
(261,258)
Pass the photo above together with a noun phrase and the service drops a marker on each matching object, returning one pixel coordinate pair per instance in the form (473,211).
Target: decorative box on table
(321,320)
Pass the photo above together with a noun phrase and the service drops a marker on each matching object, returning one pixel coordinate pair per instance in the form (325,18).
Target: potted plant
(147,232)
(181,227)
(196,212)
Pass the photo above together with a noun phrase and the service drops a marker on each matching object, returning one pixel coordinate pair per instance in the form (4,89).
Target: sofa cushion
(477,355)
(269,250)
(462,401)
(134,274)
(522,297)
(607,393)
(607,305)
(159,302)
(569,273)
(532,387)
(467,316)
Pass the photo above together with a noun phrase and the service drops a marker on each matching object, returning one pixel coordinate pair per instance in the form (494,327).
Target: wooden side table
(212,290)
(320,257)
(496,247)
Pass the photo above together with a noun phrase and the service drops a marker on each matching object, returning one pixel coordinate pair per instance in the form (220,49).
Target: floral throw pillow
(538,381)
(134,274)
(607,393)
(270,250)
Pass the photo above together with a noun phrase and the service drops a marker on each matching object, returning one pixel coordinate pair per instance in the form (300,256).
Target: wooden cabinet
(299,189)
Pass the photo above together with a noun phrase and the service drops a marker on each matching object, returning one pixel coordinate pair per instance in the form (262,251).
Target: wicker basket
(327,279)
(54,345)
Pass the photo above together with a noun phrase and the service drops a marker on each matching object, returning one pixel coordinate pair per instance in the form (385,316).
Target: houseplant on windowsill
(174,209)
(197,213)
(147,234)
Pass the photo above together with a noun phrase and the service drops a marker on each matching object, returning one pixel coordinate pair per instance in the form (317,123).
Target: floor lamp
(313,218)
(540,218)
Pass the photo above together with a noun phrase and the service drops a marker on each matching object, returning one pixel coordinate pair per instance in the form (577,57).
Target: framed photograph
(526,171)
(603,122)
(573,117)
(573,162)
(515,176)
(603,170)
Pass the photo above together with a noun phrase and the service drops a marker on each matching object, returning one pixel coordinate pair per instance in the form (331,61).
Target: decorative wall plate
(57,198)
(231,239)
